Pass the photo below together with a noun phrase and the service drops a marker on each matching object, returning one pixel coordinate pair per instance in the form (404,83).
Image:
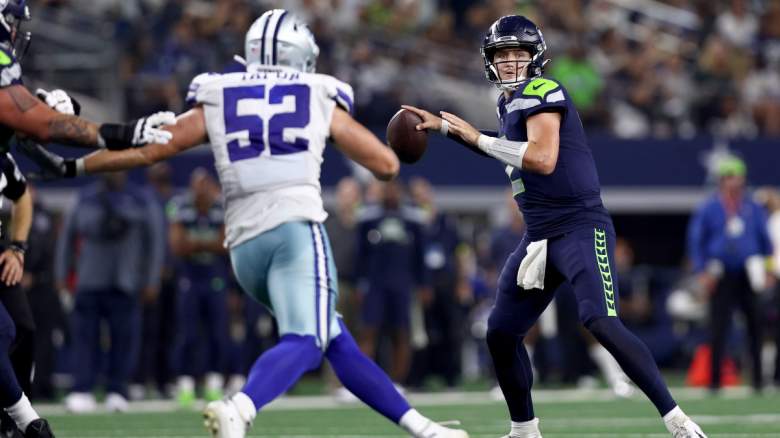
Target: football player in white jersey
(267,126)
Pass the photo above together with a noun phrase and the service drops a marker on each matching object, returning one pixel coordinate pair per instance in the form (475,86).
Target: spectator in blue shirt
(725,234)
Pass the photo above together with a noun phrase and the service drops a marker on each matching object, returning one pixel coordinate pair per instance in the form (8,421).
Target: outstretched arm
(539,154)
(188,132)
(24,113)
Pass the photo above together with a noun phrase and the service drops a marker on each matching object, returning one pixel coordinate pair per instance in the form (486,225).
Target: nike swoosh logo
(536,87)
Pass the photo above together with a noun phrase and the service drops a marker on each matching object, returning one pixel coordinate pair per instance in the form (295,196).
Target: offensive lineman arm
(538,155)
(24,113)
(362,146)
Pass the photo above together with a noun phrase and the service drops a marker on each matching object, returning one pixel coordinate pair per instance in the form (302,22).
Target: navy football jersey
(570,196)
(199,227)
(10,74)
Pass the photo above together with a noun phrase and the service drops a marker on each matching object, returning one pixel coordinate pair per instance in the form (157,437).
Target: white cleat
(681,426)
(623,389)
(436,430)
(116,402)
(80,403)
(222,420)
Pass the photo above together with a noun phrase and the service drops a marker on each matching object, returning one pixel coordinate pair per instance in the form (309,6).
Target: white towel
(530,275)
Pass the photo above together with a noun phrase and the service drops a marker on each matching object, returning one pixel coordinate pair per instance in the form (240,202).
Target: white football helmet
(279,37)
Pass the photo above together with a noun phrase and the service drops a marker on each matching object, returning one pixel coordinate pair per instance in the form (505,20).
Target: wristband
(445,127)
(114,136)
(19,246)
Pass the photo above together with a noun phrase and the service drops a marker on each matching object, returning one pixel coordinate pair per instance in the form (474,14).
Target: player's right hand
(430,121)
(13,267)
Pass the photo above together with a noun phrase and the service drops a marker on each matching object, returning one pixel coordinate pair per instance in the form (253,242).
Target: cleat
(222,420)
(116,402)
(436,430)
(681,426)
(212,395)
(529,429)
(80,402)
(39,428)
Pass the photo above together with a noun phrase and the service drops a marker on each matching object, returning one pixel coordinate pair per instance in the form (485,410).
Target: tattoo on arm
(73,130)
(23,100)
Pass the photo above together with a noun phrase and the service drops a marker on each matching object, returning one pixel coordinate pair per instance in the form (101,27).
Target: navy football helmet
(514,31)
(13,13)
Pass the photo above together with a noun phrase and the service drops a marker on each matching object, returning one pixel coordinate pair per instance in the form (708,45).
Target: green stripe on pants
(602,259)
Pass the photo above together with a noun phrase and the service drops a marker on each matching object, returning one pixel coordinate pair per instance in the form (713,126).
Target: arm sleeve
(16,185)
(697,240)
(472,147)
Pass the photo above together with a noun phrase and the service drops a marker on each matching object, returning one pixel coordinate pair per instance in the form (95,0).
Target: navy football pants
(585,260)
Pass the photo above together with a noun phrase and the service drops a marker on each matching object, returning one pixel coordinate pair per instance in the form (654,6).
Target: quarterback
(570,237)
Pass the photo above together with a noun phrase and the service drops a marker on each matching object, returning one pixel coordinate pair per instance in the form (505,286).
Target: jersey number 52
(249,120)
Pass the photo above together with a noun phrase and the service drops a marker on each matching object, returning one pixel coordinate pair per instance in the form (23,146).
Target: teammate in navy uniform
(569,235)
(197,233)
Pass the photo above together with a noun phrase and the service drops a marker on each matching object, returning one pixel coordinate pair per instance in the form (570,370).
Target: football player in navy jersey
(569,238)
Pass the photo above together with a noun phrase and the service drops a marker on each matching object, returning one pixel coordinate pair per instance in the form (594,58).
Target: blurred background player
(119,232)
(197,233)
(390,271)
(727,240)
(279,249)
(569,236)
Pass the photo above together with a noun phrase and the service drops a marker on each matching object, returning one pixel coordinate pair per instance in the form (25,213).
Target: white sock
(524,428)
(22,413)
(607,364)
(185,384)
(214,382)
(245,405)
(673,413)
(414,422)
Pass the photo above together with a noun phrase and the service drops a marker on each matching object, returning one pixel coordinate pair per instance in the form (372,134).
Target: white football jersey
(267,129)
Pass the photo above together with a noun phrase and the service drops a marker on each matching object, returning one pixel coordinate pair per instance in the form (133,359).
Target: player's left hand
(461,128)
(59,101)
(13,267)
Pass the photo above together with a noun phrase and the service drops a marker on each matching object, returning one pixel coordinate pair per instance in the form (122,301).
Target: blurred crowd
(671,68)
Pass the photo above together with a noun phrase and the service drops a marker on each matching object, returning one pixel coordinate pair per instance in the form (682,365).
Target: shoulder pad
(197,82)
(10,70)
(339,91)
(543,89)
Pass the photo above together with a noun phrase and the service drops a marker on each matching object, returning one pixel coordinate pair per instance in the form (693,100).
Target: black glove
(51,166)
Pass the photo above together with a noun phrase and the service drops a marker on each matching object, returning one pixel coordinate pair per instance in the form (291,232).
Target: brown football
(408,143)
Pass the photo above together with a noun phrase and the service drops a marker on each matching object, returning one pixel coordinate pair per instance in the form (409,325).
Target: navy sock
(513,372)
(280,367)
(364,378)
(635,359)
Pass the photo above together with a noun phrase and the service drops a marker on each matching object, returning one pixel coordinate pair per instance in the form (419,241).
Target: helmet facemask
(13,17)
(496,70)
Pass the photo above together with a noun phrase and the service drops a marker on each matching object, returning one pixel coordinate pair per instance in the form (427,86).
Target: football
(407,142)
